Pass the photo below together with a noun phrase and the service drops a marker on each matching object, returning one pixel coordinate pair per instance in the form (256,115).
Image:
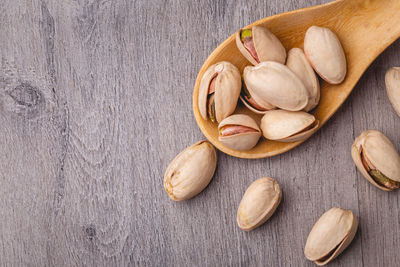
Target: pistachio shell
(330,235)
(297,62)
(288,126)
(190,171)
(392,80)
(259,202)
(241,141)
(227,89)
(264,107)
(381,153)
(253,109)
(271,83)
(325,53)
(266,44)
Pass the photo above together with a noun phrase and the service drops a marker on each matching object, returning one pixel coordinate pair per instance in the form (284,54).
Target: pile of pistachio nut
(283,94)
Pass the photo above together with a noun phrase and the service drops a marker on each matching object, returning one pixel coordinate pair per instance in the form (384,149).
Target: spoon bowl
(365,28)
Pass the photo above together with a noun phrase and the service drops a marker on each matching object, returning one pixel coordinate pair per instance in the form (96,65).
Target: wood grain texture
(95,101)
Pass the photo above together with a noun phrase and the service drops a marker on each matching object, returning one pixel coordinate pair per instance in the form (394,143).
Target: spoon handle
(367,27)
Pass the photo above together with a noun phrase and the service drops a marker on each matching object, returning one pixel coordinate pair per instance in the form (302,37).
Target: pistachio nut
(190,171)
(330,235)
(392,80)
(258,44)
(298,63)
(288,126)
(377,159)
(251,103)
(271,83)
(325,53)
(219,91)
(239,132)
(259,202)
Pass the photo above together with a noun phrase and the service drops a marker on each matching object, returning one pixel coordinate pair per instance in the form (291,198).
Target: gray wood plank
(31,137)
(95,101)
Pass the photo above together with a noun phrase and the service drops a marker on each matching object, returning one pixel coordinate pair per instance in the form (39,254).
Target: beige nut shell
(288,126)
(259,202)
(325,53)
(330,235)
(271,83)
(253,109)
(243,141)
(190,171)
(227,89)
(267,46)
(298,63)
(392,79)
(381,153)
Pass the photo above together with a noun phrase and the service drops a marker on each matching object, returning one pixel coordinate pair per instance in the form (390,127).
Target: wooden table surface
(96,100)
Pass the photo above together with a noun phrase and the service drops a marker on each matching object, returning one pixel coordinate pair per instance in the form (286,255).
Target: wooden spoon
(365,28)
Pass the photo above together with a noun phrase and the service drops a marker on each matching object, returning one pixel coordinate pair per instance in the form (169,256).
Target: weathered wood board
(95,101)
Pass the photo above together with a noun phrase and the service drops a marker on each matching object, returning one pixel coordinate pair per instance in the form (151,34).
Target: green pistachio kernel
(382,179)
(212,115)
(244,34)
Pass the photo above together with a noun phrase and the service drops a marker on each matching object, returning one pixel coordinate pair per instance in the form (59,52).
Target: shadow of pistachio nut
(259,202)
(258,44)
(190,171)
(288,126)
(298,63)
(392,80)
(330,235)
(325,53)
(377,159)
(239,132)
(271,83)
(219,91)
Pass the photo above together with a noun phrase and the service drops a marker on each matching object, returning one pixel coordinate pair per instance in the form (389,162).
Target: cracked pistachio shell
(259,202)
(325,53)
(381,153)
(267,46)
(392,80)
(298,63)
(253,109)
(190,171)
(271,83)
(288,126)
(240,141)
(330,235)
(227,89)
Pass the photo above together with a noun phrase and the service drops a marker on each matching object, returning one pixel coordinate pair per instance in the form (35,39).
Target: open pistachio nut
(298,63)
(190,171)
(325,53)
(330,235)
(252,104)
(288,126)
(258,44)
(239,132)
(219,91)
(377,159)
(249,101)
(272,83)
(392,80)
(259,202)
